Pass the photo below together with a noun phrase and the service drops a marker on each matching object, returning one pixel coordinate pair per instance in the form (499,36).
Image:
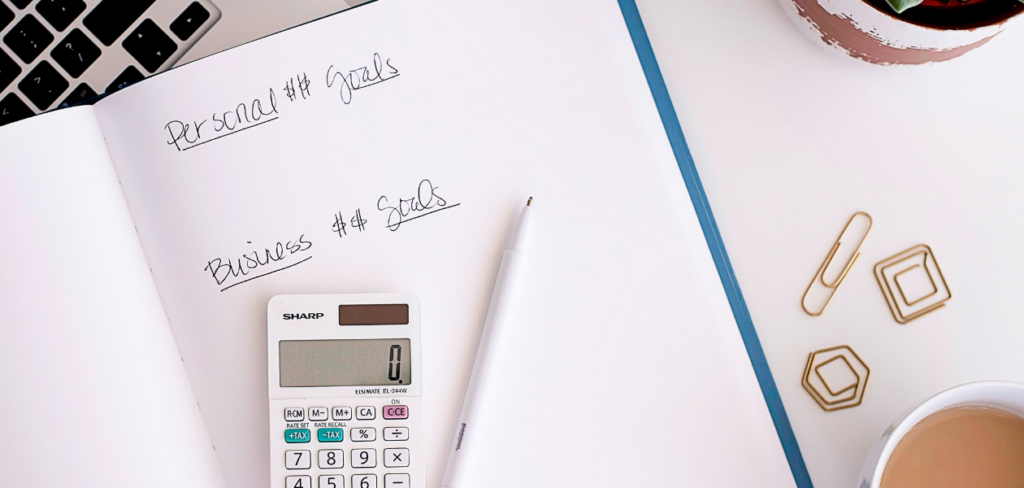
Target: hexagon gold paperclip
(829,277)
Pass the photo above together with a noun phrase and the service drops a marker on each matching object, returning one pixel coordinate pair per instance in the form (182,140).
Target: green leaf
(900,5)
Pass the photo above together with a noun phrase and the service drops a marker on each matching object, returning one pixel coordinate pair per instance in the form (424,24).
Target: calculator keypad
(337,446)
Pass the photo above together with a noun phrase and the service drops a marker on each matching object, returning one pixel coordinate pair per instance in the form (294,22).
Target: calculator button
(341,413)
(364,481)
(317,414)
(396,433)
(294,414)
(396,480)
(298,482)
(364,458)
(364,434)
(189,21)
(331,459)
(366,413)
(297,459)
(396,458)
(292,436)
(330,435)
(392,412)
(332,481)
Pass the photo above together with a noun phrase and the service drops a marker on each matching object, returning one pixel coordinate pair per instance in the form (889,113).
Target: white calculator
(345,391)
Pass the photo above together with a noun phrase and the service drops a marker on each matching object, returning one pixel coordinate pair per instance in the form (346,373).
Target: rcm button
(396,412)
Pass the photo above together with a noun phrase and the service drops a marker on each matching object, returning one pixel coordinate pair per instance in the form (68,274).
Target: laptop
(60,53)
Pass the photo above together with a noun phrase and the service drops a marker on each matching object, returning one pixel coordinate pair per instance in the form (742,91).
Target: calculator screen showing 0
(348,362)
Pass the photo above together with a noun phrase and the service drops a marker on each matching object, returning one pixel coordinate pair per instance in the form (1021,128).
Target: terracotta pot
(933,31)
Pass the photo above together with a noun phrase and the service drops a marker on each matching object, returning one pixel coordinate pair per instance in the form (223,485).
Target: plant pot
(933,31)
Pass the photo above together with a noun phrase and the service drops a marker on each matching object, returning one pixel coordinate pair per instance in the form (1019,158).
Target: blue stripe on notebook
(707,221)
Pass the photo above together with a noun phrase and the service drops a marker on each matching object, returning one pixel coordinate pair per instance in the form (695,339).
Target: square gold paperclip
(912,283)
(829,277)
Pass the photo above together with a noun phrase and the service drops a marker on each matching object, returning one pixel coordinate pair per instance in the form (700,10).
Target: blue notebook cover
(707,221)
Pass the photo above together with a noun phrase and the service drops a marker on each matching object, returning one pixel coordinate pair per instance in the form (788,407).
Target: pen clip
(848,244)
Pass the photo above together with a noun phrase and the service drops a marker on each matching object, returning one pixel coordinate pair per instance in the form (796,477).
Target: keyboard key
(80,94)
(298,482)
(149,45)
(364,458)
(293,436)
(21,3)
(7,15)
(130,75)
(297,459)
(332,481)
(28,38)
(331,459)
(43,85)
(396,458)
(366,413)
(112,17)
(12,109)
(363,434)
(364,481)
(396,433)
(317,414)
(9,70)
(396,480)
(189,21)
(392,412)
(75,53)
(60,13)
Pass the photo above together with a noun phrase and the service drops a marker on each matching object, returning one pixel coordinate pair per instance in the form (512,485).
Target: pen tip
(528,202)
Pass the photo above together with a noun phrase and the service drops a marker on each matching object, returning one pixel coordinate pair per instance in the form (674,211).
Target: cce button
(296,435)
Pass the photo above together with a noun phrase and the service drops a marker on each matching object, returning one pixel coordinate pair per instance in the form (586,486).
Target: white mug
(1004,395)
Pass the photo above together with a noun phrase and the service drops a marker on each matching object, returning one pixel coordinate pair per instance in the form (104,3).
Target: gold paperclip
(827,286)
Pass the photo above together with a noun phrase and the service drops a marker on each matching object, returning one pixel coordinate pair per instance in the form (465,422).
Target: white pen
(511,260)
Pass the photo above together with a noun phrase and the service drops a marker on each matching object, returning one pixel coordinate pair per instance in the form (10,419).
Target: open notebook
(383,149)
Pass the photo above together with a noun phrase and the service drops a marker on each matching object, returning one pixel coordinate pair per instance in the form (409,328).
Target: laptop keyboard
(56,53)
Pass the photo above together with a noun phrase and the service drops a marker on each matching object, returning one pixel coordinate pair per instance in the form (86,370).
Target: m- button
(392,412)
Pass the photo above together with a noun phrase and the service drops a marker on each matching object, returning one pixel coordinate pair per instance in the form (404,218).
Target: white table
(790,140)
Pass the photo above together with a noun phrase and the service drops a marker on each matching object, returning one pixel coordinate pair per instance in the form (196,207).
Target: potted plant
(903,31)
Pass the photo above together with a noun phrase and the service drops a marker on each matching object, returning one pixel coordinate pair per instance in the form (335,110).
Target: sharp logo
(301,316)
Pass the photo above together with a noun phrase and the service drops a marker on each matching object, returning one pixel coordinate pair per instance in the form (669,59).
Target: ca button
(366,413)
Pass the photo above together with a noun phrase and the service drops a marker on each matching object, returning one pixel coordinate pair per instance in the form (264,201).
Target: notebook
(142,251)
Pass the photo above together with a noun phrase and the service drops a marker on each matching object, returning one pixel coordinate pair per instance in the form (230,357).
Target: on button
(396,412)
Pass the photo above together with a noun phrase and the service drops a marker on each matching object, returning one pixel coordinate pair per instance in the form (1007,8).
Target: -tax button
(330,435)
(296,435)
(392,412)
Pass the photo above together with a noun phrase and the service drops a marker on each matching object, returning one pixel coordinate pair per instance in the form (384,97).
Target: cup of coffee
(970,435)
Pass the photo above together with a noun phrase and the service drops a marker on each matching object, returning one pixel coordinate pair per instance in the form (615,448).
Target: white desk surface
(790,140)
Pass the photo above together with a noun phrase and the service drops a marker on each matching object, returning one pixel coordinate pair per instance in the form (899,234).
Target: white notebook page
(624,368)
(93,389)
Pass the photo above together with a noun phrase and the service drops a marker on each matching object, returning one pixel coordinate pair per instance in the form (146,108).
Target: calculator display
(348,362)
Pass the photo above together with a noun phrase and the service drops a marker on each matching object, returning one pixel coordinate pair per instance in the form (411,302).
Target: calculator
(345,391)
